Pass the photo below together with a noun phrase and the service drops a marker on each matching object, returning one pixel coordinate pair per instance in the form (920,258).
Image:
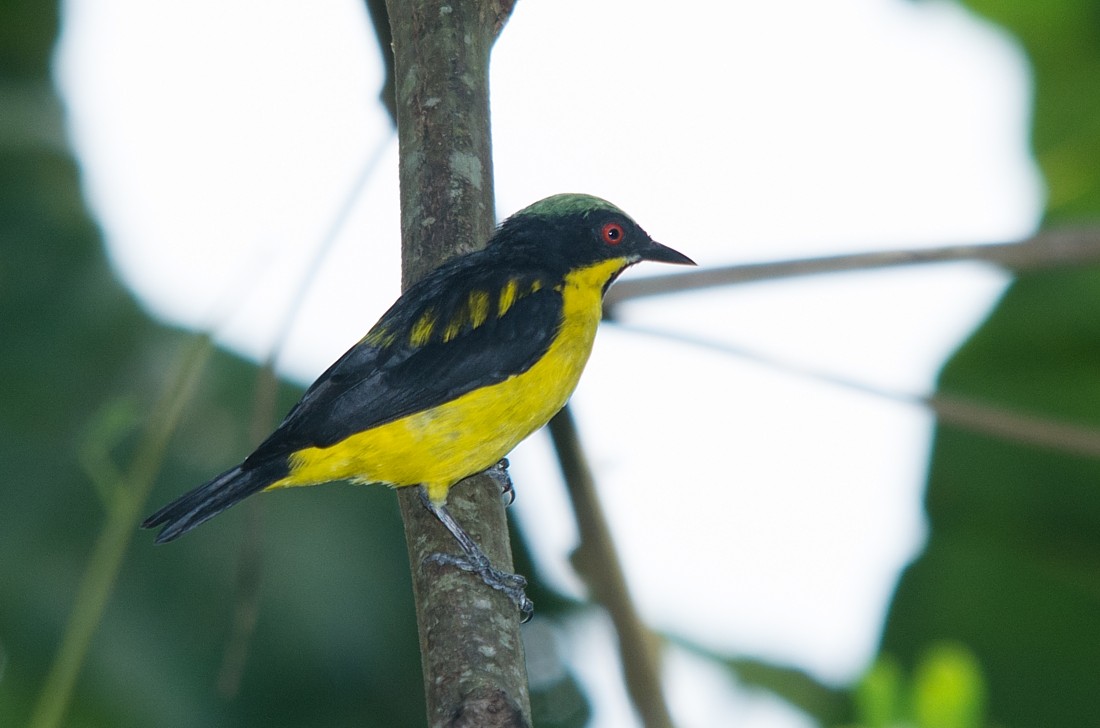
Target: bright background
(759,510)
(812,546)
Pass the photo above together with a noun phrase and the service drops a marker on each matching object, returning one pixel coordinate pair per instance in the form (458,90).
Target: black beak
(663,254)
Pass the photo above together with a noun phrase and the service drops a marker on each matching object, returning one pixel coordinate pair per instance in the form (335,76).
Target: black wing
(387,376)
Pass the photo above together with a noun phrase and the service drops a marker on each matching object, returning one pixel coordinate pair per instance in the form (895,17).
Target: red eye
(612,233)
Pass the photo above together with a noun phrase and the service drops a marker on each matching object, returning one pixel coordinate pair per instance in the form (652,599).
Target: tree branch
(985,418)
(1047,249)
(598,564)
(471,652)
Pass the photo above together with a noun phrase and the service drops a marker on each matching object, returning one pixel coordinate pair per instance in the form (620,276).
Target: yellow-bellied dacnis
(467,363)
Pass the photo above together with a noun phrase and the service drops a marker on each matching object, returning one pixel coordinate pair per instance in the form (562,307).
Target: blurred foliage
(1012,564)
(830,706)
(1062,41)
(326,579)
(947,690)
(997,622)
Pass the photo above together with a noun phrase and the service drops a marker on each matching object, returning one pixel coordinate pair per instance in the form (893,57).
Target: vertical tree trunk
(474,672)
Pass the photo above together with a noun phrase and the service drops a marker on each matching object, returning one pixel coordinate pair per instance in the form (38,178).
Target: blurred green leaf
(880,695)
(1062,40)
(1012,565)
(948,689)
(334,642)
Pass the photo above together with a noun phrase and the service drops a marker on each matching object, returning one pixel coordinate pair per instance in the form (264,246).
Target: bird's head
(570,231)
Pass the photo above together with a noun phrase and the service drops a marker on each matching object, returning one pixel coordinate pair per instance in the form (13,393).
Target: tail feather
(211,498)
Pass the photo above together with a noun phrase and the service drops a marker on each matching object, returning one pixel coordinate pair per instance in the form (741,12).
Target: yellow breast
(442,445)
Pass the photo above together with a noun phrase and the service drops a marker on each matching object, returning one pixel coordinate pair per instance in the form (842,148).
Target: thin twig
(1012,426)
(246,610)
(598,564)
(962,412)
(1047,249)
(296,301)
(247,602)
(110,548)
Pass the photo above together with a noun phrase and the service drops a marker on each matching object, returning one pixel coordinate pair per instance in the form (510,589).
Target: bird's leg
(500,476)
(476,562)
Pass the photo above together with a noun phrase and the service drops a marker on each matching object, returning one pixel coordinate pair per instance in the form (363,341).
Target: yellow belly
(442,445)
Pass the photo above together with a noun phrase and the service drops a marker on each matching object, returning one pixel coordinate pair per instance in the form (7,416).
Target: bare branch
(1013,426)
(963,412)
(1048,249)
(598,564)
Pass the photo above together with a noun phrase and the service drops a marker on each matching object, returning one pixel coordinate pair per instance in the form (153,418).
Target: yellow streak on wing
(478,303)
(379,337)
(475,312)
(444,444)
(454,328)
(507,296)
(422,330)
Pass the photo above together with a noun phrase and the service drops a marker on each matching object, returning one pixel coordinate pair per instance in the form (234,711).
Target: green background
(1000,614)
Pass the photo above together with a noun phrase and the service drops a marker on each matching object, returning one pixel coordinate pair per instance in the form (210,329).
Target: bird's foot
(511,585)
(474,559)
(500,476)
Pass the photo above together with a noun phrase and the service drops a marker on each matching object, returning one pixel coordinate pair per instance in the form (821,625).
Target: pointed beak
(663,254)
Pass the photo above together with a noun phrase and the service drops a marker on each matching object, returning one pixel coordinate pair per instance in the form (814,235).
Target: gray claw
(512,585)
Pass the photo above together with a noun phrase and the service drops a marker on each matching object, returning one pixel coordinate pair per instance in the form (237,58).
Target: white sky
(757,511)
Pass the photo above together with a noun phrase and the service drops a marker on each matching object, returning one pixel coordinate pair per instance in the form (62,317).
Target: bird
(468,362)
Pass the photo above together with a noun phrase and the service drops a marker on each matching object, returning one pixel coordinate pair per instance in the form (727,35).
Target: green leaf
(880,695)
(1062,41)
(1012,566)
(948,688)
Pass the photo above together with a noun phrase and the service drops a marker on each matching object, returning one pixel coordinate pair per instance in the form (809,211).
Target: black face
(615,235)
(579,239)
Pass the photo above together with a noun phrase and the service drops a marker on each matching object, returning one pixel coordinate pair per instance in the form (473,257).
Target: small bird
(468,362)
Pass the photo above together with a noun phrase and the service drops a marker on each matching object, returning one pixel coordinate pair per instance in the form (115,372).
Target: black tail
(210,499)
